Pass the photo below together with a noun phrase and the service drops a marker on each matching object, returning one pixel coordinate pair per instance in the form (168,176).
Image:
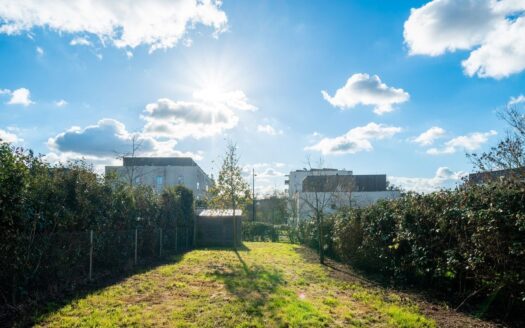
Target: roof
(487,176)
(344,183)
(158,161)
(225,212)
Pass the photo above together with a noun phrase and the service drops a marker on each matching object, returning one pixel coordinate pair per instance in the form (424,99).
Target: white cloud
(209,114)
(429,136)
(101,143)
(181,119)
(21,96)
(108,137)
(6,136)
(80,41)
(61,103)
(516,100)
(39,51)
(367,90)
(129,54)
(492,30)
(268,129)
(468,142)
(444,178)
(355,140)
(156,23)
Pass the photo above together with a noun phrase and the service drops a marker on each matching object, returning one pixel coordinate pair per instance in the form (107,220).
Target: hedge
(467,243)
(46,213)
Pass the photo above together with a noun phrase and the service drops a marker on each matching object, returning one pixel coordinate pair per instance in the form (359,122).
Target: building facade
(161,172)
(327,190)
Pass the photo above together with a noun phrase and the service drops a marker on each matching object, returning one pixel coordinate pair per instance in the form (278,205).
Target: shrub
(468,242)
(259,231)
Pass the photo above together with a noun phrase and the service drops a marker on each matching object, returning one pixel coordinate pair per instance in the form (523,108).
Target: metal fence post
(90,254)
(136,242)
(160,243)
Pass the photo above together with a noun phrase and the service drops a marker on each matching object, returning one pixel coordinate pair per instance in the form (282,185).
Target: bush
(465,243)
(259,231)
(46,213)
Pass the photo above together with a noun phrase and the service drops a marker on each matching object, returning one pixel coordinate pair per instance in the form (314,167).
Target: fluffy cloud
(355,140)
(156,23)
(39,51)
(469,142)
(492,30)
(444,178)
(208,114)
(108,137)
(10,137)
(181,119)
(101,143)
(367,90)
(516,100)
(268,129)
(429,136)
(20,96)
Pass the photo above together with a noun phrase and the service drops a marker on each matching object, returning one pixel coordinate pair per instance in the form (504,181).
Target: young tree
(321,193)
(230,190)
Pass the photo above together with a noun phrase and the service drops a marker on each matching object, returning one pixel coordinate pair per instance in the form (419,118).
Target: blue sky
(80,81)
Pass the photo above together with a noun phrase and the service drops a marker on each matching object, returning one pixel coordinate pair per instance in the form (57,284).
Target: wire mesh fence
(46,263)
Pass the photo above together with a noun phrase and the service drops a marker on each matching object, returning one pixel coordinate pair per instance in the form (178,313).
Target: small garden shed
(218,228)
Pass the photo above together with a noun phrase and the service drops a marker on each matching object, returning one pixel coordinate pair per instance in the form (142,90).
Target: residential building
(491,176)
(161,172)
(329,189)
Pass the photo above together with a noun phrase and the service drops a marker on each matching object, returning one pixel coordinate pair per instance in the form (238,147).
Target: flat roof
(158,161)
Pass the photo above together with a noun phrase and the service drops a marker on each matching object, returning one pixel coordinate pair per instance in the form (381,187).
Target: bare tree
(131,172)
(509,153)
(322,193)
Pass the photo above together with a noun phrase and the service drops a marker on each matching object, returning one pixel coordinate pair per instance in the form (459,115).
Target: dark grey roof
(331,183)
(483,177)
(158,161)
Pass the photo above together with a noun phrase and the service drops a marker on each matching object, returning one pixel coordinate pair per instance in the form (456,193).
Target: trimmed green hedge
(464,243)
(46,213)
(259,231)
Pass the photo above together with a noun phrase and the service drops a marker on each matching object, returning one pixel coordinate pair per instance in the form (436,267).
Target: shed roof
(225,212)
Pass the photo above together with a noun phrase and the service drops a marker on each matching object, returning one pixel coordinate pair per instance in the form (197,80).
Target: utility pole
(253,194)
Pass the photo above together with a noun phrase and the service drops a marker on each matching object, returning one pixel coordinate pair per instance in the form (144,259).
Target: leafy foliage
(230,189)
(46,213)
(259,231)
(468,243)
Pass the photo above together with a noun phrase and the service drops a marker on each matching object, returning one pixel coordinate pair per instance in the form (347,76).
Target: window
(137,180)
(160,183)
(180,180)
(198,186)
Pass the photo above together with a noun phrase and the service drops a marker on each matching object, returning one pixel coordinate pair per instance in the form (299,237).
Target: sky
(403,88)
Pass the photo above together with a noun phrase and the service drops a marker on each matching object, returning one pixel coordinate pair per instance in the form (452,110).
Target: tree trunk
(321,239)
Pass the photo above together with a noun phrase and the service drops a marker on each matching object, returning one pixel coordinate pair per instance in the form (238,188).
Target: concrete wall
(192,177)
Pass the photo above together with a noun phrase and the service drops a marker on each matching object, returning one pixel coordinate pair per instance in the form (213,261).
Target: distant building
(489,176)
(161,172)
(329,189)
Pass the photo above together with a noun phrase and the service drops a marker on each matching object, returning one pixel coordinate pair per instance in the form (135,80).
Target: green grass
(269,285)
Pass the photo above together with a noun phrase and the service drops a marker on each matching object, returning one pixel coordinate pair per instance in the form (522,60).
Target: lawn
(263,285)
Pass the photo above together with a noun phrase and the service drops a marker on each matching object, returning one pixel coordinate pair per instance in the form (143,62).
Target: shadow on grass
(29,314)
(252,284)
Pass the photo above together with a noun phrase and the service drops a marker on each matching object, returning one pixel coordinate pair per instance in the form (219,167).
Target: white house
(329,189)
(161,172)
